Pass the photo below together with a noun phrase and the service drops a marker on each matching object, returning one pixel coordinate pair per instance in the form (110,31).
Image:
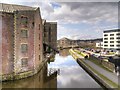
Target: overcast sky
(77,20)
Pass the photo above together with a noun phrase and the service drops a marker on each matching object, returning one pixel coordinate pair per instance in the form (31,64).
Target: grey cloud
(90,12)
(76,12)
(85,0)
(79,12)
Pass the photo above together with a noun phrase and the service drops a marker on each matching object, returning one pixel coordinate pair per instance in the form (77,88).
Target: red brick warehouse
(21,41)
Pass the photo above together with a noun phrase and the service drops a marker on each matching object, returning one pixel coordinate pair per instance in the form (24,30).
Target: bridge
(68,46)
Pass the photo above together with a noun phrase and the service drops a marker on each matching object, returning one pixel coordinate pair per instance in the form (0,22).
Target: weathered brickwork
(38,39)
(29,40)
(50,35)
(7,43)
(0,44)
(21,44)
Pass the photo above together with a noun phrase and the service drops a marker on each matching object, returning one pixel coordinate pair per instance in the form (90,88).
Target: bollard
(118,70)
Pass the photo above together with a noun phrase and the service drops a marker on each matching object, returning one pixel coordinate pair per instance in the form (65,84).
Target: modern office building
(21,44)
(99,44)
(111,39)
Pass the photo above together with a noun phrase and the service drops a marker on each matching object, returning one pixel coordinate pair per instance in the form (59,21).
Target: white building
(99,44)
(111,39)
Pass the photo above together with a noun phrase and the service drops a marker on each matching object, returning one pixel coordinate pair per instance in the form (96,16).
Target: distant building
(68,43)
(111,39)
(65,42)
(99,44)
(21,41)
(49,36)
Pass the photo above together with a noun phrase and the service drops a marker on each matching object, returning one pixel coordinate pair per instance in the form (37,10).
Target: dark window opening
(24,33)
(33,24)
(24,20)
(112,45)
(24,62)
(111,34)
(24,48)
(111,41)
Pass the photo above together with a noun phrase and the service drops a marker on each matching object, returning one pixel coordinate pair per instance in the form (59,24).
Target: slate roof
(13,7)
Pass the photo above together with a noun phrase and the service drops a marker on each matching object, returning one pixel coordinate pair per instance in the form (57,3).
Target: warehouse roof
(13,7)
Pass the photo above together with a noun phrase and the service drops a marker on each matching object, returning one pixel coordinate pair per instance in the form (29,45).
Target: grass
(99,64)
(111,83)
(94,61)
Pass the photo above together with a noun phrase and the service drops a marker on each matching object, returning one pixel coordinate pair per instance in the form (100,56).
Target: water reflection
(64,53)
(40,80)
(71,75)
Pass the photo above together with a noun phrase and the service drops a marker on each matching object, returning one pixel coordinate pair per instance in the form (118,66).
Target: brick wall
(38,39)
(30,54)
(7,43)
(13,60)
(0,43)
(50,34)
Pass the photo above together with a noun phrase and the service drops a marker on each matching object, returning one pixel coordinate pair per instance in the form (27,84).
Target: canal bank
(70,75)
(22,75)
(103,80)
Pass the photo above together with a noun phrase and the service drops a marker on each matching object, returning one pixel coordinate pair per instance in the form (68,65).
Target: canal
(62,72)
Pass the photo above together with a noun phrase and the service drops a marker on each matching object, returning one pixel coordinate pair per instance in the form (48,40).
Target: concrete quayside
(107,79)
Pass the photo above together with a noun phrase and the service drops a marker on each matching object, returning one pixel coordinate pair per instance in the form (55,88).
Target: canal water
(62,72)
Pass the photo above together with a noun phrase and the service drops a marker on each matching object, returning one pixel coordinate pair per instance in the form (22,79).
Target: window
(105,38)
(39,36)
(24,48)
(45,35)
(39,26)
(105,45)
(24,62)
(118,37)
(46,29)
(105,41)
(33,24)
(105,34)
(111,34)
(112,45)
(24,20)
(118,45)
(24,33)
(118,41)
(112,38)
(118,34)
(39,57)
(111,41)
(39,46)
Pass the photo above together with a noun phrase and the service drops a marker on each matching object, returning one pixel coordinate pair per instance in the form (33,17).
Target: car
(102,57)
